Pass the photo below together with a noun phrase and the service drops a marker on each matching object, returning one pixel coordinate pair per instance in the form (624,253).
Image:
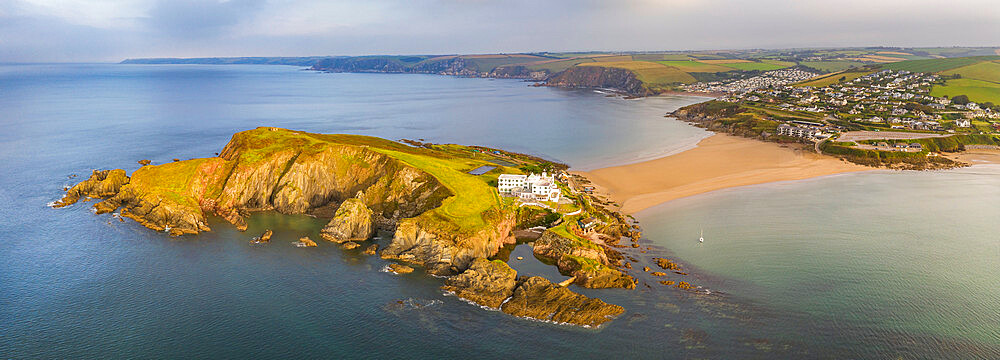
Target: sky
(91,30)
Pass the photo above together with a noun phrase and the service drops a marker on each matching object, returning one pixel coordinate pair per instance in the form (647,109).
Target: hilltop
(631,73)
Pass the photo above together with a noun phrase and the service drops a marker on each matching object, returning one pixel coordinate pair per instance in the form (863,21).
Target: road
(855,136)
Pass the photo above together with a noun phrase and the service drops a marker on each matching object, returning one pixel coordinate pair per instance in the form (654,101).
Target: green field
(650,72)
(936,65)
(985,71)
(976,90)
(750,66)
(832,66)
(834,78)
(557,66)
(488,63)
(694,66)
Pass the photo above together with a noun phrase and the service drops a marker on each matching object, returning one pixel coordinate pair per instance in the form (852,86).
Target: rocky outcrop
(617,79)
(350,245)
(494,284)
(487,283)
(518,72)
(370,182)
(352,222)
(399,268)
(264,169)
(102,184)
(446,252)
(584,260)
(305,241)
(537,298)
(371,249)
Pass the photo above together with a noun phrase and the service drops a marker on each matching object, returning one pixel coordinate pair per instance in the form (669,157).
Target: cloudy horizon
(86,30)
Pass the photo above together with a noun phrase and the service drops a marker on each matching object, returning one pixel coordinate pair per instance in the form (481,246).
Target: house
(963,123)
(788,130)
(532,187)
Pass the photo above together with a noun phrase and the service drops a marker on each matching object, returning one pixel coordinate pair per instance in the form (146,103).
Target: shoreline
(718,162)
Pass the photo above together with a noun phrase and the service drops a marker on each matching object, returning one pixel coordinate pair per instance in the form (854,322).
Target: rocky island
(443,218)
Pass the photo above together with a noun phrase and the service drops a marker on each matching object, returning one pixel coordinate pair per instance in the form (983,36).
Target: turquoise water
(874,265)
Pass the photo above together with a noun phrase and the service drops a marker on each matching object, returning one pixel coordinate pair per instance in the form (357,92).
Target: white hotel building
(529,187)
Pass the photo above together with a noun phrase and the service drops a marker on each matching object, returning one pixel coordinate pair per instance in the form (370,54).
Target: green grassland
(694,66)
(487,64)
(976,90)
(659,57)
(985,71)
(937,65)
(449,164)
(832,65)
(650,72)
(830,79)
(557,66)
(750,66)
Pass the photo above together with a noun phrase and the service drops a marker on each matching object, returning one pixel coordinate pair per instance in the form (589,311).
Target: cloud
(89,30)
(194,19)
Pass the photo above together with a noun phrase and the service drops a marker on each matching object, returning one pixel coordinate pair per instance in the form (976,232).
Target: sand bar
(719,162)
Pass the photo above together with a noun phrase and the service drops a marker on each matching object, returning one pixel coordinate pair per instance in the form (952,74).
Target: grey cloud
(194,19)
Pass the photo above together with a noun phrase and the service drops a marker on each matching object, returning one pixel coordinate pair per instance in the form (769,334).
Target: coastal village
(873,110)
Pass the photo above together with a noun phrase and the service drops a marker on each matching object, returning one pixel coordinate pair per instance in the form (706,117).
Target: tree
(960,99)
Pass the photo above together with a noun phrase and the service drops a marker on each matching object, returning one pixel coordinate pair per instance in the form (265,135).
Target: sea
(872,265)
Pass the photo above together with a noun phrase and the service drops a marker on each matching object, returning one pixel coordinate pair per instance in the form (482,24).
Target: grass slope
(762,66)
(976,90)
(694,66)
(834,78)
(937,65)
(985,71)
(650,72)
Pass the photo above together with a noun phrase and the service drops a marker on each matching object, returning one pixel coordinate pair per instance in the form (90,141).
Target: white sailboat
(702,237)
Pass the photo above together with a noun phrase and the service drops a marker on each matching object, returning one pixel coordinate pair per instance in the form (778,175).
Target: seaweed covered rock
(537,298)
(487,283)
(352,222)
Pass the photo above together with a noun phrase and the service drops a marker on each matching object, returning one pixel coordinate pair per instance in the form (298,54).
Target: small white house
(963,123)
(532,187)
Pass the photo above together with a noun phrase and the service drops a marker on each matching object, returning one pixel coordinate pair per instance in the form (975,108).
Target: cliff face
(294,173)
(447,252)
(600,77)
(443,66)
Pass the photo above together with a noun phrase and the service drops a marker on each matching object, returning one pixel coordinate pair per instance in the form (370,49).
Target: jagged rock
(144,162)
(351,222)
(306,242)
(350,245)
(102,184)
(658,273)
(667,282)
(485,282)
(553,247)
(537,298)
(685,286)
(645,268)
(266,236)
(449,253)
(370,250)
(666,264)
(400,269)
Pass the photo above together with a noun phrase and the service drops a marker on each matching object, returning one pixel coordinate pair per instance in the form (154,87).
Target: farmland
(749,66)
(935,65)
(985,71)
(976,90)
(695,66)
(649,72)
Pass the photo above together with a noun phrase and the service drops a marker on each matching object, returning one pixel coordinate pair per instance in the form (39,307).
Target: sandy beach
(719,162)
